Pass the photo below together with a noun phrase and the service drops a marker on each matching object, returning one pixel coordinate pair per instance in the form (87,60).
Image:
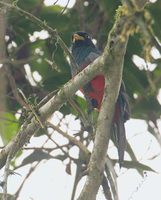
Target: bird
(85,52)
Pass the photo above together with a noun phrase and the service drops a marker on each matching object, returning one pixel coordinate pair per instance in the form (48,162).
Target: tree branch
(115,48)
(6,174)
(116,45)
(48,109)
(71,139)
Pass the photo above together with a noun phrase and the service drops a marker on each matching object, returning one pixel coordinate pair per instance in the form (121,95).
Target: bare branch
(6,174)
(65,7)
(14,88)
(18,62)
(32,169)
(72,139)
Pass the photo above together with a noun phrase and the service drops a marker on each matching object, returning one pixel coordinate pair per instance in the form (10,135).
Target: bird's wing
(89,59)
(94,88)
(92,56)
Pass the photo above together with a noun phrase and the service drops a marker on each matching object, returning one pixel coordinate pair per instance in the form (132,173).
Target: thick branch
(50,107)
(115,48)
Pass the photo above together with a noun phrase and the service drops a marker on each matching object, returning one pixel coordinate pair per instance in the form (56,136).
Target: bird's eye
(87,36)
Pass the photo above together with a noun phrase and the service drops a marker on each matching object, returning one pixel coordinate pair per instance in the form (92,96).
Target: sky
(60,2)
(50,179)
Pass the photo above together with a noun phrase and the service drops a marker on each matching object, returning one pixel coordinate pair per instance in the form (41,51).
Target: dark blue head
(81,38)
(82,47)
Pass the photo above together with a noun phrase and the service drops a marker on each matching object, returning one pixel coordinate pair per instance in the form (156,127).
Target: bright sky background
(50,180)
(60,2)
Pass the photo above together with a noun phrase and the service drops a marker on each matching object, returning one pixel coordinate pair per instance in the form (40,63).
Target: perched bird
(85,52)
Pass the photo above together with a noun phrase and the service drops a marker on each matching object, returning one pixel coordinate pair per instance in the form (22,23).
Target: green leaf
(154,10)
(10,127)
(9,196)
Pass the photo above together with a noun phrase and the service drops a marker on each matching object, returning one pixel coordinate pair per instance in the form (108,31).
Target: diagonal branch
(49,108)
(14,88)
(115,48)
(116,45)
(71,139)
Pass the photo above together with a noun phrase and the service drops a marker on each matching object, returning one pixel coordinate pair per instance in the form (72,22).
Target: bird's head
(81,38)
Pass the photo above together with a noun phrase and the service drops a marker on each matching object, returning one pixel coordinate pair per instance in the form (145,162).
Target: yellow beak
(77,37)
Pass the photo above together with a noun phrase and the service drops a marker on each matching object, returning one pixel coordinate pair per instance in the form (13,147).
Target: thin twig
(40,148)
(70,138)
(18,62)
(29,173)
(65,7)
(14,88)
(55,2)
(60,147)
(83,116)
(27,176)
(31,108)
(6,174)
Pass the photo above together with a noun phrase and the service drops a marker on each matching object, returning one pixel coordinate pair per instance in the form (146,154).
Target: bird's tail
(120,139)
(122,114)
